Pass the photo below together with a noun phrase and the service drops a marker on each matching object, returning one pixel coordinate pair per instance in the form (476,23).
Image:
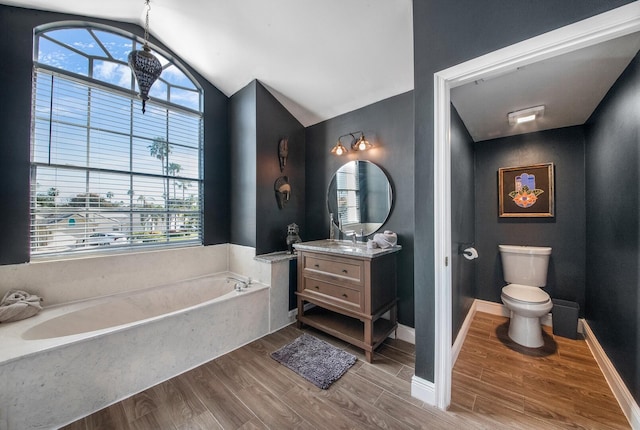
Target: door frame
(600,28)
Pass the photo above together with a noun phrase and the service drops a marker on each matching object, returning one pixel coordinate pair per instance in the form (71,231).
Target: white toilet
(525,271)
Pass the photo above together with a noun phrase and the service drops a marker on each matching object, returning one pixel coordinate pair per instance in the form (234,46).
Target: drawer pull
(316,265)
(345,296)
(345,271)
(316,287)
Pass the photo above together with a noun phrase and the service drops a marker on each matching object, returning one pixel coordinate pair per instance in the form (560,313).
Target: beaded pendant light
(145,66)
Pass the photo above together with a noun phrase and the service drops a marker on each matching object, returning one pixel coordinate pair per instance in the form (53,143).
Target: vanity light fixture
(145,66)
(339,149)
(357,143)
(361,144)
(525,115)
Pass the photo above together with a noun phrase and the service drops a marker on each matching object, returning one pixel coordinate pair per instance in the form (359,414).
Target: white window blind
(103,175)
(348,191)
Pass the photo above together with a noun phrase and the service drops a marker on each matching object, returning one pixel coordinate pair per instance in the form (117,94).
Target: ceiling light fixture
(525,115)
(145,66)
(357,143)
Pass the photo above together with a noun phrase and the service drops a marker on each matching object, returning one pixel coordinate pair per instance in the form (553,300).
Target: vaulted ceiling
(319,58)
(324,58)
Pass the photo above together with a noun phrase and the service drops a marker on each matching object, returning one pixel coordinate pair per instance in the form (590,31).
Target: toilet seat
(525,293)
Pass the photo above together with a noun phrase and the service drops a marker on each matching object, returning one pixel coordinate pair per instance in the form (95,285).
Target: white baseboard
(462,334)
(406,333)
(617,385)
(403,332)
(423,390)
(492,308)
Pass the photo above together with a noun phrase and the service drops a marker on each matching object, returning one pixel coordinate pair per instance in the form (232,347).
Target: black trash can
(565,318)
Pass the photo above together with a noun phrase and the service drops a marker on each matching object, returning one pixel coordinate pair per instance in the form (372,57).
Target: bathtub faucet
(240,284)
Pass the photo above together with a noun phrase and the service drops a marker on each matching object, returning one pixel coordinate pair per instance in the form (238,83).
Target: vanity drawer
(345,268)
(336,294)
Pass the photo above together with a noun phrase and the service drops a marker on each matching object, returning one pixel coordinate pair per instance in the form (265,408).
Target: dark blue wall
(564,233)
(447,33)
(274,122)
(257,123)
(16,48)
(242,132)
(388,125)
(613,233)
(463,281)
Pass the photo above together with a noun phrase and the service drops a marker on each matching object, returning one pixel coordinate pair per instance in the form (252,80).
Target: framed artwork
(526,191)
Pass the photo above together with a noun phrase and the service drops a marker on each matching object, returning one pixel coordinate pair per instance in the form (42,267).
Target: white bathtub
(71,360)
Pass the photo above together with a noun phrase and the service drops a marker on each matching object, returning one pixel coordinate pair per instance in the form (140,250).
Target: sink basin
(349,248)
(346,246)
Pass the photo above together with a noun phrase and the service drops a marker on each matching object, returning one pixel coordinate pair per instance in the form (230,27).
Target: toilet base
(525,331)
(524,327)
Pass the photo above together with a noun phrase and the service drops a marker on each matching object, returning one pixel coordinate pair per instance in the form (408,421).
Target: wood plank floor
(557,386)
(494,387)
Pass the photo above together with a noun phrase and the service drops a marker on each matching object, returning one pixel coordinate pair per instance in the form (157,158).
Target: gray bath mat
(315,360)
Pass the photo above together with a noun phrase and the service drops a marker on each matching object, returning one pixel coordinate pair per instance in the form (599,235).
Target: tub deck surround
(275,267)
(275,257)
(52,381)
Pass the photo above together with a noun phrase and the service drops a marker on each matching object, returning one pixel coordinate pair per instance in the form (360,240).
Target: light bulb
(526,119)
(339,150)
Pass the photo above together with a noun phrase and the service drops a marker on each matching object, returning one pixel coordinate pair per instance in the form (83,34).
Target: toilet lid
(525,293)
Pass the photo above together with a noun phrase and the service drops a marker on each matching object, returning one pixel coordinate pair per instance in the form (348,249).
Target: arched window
(127,179)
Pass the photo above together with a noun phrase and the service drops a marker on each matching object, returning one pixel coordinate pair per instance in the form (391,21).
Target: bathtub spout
(240,284)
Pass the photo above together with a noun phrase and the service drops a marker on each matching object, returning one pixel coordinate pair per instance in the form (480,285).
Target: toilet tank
(525,265)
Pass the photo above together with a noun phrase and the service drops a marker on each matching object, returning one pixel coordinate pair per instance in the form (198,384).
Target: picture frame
(526,191)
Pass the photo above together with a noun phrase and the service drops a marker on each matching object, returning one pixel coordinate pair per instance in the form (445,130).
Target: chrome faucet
(240,284)
(332,233)
(352,234)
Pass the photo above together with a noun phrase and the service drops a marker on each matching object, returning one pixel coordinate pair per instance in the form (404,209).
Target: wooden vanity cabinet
(350,294)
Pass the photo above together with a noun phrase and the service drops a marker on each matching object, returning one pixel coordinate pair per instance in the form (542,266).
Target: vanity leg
(393,314)
(368,355)
(300,313)
(368,338)
(393,317)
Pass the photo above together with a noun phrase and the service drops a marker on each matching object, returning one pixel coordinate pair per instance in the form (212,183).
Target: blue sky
(92,128)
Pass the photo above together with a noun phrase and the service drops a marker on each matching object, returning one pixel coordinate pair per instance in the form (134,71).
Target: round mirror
(360,198)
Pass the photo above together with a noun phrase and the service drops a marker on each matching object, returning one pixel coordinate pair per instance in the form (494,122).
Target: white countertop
(345,247)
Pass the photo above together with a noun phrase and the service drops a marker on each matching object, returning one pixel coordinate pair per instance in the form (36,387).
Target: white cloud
(113,73)
(54,58)
(83,45)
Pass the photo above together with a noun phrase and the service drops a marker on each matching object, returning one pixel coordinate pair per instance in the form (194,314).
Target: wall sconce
(357,143)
